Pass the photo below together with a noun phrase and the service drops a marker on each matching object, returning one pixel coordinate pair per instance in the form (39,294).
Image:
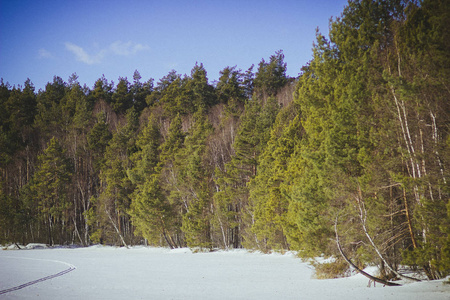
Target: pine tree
(151,212)
(202,93)
(122,98)
(271,76)
(102,90)
(169,177)
(49,108)
(194,185)
(230,86)
(146,158)
(174,140)
(268,204)
(50,183)
(144,169)
(114,202)
(418,94)
(140,91)
(98,139)
(78,151)
(21,105)
(232,198)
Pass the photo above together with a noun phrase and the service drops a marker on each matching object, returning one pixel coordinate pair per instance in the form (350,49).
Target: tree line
(356,147)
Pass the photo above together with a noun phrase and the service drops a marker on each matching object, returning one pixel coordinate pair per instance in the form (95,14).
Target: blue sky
(40,39)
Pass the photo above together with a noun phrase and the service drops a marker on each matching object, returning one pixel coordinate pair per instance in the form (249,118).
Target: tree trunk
(373,278)
(363,216)
(115,227)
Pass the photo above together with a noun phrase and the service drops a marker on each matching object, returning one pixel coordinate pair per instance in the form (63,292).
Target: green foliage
(345,162)
(50,184)
(114,199)
(174,141)
(329,270)
(122,98)
(193,184)
(232,198)
(92,219)
(102,90)
(50,107)
(151,212)
(140,91)
(185,95)
(230,88)
(268,204)
(17,113)
(201,94)
(21,106)
(98,139)
(146,158)
(271,76)
(17,214)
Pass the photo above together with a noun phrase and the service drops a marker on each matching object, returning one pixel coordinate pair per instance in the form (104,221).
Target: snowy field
(153,273)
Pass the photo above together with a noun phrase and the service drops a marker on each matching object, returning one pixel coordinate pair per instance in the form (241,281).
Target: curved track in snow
(15,288)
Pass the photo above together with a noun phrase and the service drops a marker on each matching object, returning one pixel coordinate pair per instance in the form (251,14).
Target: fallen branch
(373,278)
(363,216)
(115,227)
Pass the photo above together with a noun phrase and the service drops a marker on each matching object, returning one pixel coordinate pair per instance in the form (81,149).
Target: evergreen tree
(271,76)
(166,93)
(231,90)
(201,92)
(268,204)
(232,197)
(173,142)
(147,197)
(249,82)
(50,183)
(21,105)
(146,158)
(77,112)
(102,90)
(98,139)
(230,86)
(122,98)
(140,91)
(194,184)
(49,109)
(152,214)
(114,202)
(169,177)
(418,94)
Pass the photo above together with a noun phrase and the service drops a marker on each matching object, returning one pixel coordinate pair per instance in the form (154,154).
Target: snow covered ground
(154,273)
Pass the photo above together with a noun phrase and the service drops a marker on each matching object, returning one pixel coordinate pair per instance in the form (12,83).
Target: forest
(355,149)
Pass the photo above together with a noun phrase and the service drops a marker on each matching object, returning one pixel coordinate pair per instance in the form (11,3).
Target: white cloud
(83,56)
(126,49)
(43,53)
(116,48)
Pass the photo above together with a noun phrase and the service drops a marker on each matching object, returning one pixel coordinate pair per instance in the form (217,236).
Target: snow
(36,246)
(101,272)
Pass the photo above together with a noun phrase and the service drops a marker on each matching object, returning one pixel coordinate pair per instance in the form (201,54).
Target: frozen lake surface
(156,273)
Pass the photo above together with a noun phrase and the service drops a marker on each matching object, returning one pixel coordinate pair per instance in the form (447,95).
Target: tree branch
(363,217)
(115,227)
(376,279)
